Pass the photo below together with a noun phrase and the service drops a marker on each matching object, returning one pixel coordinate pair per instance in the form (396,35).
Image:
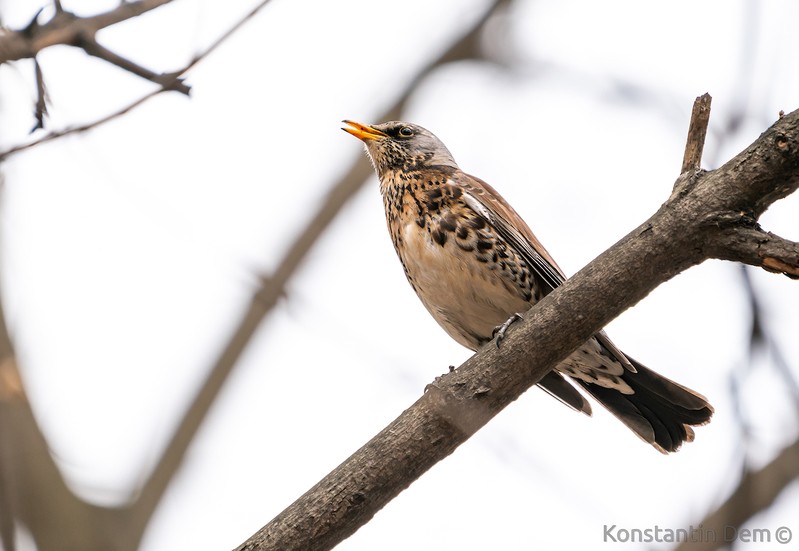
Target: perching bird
(475,265)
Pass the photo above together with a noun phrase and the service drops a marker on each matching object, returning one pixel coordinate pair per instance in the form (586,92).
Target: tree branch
(753,246)
(168,81)
(33,491)
(679,235)
(697,130)
(66,28)
(755,493)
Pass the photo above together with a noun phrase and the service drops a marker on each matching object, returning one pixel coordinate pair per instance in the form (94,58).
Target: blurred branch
(10,388)
(128,523)
(54,135)
(40,110)
(681,234)
(167,81)
(272,287)
(754,494)
(32,489)
(761,339)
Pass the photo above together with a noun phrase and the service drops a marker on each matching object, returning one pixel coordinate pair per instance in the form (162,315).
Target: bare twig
(40,109)
(697,130)
(168,81)
(54,135)
(742,241)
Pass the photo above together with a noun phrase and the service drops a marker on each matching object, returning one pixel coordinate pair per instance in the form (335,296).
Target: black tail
(660,411)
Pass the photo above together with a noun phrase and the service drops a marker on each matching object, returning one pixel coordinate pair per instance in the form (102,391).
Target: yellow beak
(362,131)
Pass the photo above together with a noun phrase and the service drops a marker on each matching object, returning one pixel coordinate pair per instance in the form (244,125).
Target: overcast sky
(129,252)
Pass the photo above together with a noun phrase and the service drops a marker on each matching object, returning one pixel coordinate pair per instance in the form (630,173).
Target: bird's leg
(499,330)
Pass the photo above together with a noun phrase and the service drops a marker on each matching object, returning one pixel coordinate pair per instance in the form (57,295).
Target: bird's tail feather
(659,410)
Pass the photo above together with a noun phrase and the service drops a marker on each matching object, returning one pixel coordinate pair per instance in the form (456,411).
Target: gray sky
(129,252)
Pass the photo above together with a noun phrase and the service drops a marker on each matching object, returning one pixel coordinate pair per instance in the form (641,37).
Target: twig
(741,241)
(697,130)
(40,109)
(167,81)
(66,28)
(54,135)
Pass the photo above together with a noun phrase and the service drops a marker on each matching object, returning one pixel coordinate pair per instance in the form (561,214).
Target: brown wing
(500,215)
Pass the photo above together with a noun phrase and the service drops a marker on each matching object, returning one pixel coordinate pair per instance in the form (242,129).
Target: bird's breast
(467,277)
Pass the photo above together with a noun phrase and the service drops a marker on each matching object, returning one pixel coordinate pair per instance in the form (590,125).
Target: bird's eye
(406,131)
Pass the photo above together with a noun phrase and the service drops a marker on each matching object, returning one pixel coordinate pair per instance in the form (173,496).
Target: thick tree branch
(681,234)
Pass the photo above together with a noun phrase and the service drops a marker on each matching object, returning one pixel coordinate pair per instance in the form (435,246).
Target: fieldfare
(475,265)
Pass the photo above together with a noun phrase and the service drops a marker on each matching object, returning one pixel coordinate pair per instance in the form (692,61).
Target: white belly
(467,297)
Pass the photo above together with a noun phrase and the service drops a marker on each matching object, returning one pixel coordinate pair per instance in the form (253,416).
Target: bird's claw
(499,330)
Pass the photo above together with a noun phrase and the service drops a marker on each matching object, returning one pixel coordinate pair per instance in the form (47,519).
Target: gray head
(397,145)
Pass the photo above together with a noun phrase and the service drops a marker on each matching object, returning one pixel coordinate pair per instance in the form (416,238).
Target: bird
(476,266)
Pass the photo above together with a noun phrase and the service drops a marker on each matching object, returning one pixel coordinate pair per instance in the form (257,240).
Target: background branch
(273,286)
(66,28)
(167,81)
(756,491)
(130,521)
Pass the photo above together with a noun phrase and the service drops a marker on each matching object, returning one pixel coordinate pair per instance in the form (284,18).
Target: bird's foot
(499,330)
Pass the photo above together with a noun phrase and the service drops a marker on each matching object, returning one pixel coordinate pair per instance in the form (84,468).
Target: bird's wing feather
(488,203)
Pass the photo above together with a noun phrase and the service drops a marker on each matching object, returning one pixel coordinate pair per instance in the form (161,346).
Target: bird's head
(397,145)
